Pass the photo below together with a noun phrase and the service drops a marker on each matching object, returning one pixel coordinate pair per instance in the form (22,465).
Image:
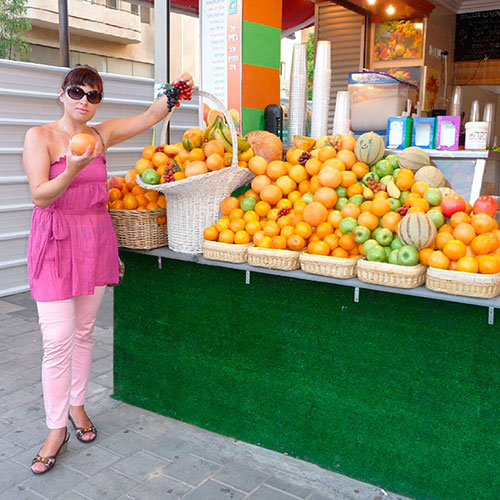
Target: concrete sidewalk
(138,454)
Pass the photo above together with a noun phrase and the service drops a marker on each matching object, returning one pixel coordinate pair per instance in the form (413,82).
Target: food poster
(431,88)
(398,40)
(411,74)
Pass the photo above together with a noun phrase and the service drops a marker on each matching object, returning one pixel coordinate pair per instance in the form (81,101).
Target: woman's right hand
(76,163)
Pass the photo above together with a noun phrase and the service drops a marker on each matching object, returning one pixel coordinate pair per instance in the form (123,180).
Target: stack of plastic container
(298,93)
(321,89)
(342,116)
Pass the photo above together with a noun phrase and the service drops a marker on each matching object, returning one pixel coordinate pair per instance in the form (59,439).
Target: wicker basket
(334,267)
(485,286)
(213,250)
(138,229)
(380,273)
(193,203)
(283,260)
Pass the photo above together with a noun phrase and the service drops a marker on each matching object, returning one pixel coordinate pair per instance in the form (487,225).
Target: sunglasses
(77,93)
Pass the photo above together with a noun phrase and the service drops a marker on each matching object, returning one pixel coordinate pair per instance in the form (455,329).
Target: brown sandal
(49,462)
(81,431)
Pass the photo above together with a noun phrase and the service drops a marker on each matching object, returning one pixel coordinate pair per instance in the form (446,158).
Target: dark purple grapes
(177,91)
(304,157)
(169,177)
(282,212)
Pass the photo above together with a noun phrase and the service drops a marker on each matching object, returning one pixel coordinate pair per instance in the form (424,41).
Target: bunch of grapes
(168,177)
(375,185)
(159,149)
(177,91)
(304,157)
(336,141)
(403,210)
(282,212)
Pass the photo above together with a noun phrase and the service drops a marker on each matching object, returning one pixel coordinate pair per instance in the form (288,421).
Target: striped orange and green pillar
(261,40)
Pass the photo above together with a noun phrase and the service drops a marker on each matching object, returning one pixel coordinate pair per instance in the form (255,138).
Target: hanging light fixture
(390,10)
(371,2)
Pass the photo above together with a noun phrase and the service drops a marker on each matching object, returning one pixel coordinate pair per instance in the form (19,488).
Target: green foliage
(13,22)
(310,65)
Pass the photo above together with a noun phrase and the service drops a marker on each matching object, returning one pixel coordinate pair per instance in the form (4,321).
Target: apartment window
(113,4)
(134,8)
(145,15)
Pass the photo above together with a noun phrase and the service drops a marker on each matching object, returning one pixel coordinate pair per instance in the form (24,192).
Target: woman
(72,251)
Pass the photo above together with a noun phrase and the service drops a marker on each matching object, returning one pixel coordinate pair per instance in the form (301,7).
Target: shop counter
(398,388)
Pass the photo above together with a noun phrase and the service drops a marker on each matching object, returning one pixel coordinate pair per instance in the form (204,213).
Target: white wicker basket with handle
(193,203)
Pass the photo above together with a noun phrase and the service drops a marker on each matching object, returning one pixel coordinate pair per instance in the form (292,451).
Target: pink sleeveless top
(72,245)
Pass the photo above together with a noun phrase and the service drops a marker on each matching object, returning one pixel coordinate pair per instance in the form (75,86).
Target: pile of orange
(469,243)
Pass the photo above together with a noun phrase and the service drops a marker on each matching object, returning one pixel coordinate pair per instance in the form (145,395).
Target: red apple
(451,204)
(485,205)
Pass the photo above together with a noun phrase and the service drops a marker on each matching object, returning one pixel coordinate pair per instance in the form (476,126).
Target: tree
(13,22)
(310,65)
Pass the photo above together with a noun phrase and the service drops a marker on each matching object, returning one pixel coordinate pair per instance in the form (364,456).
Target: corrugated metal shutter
(28,97)
(345,30)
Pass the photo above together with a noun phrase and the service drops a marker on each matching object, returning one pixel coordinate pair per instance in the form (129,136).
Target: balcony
(89,19)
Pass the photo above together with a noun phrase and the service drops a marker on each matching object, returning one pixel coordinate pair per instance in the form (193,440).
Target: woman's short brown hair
(83,75)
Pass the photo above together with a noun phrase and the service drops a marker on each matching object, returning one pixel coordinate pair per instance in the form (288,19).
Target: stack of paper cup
(342,116)
(489,116)
(474,111)
(456,102)
(321,89)
(298,93)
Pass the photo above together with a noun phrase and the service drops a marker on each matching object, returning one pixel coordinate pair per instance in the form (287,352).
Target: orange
(411,197)
(314,184)
(380,207)
(416,209)
(276,169)
(142,201)
(391,221)
(348,157)
(222,223)
(265,242)
(138,190)
(313,166)
(130,202)
(366,206)
(468,207)
(424,256)
(459,218)
(454,249)
(299,207)
(404,182)
(237,225)
(295,196)
(183,156)
(257,165)
(340,253)
(142,164)
(421,204)
(488,264)
(368,220)
(348,142)
(298,173)
(442,239)
(278,242)
(493,241)
(271,228)
(152,195)
(350,210)
(296,242)
(250,215)
(213,147)
(334,218)
(236,213)
(195,168)
(241,238)
(463,232)
(446,228)
(348,178)
(262,208)
(381,194)
(253,226)
(226,236)
(293,155)
(481,245)
(295,217)
(330,177)
(324,229)
(152,205)
(114,194)
(304,187)
(215,162)
(284,221)
(116,205)
(284,203)
(272,194)
(347,242)
(354,252)
(482,223)
(335,163)
(272,214)
(303,229)
(438,259)
(259,182)
(158,159)
(210,233)
(258,236)
(141,208)
(360,169)
(354,189)
(315,213)
(148,152)
(287,231)
(228,204)
(420,187)
(196,154)
(327,196)
(178,176)
(332,241)
(468,265)
(326,152)
(318,248)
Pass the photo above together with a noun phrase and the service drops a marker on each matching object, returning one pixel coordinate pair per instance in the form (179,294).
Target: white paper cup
(323,55)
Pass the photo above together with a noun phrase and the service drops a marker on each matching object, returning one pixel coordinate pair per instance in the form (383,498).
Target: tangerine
(330,177)
(481,245)
(326,153)
(459,218)
(347,242)
(442,239)
(488,264)
(298,173)
(468,265)
(116,205)
(380,207)
(334,218)
(303,229)
(259,182)
(271,193)
(296,242)
(348,157)
(464,232)
(213,147)
(332,240)
(324,229)
(278,242)
(354,189)
(265,242)
(424,256)
(210,233)
(420,187)
(228,204)
(335,163)
(148,152)
(454,249)
(215,162)
(262,208)
(391,221)
(360,169)
(114,194)
(348,178)
(275,169)
(313,166)
(130,202)
(318,248)
(315,213)
(253,226)
(226,236)
(158,159)
(241,237)
(340,253)
(351,210)
(257,165)
(482,223)
(368,219)
(142,164)
(287,231)
(438,260)
(327,196)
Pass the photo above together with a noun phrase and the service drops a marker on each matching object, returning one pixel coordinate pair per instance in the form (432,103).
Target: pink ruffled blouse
(72,245)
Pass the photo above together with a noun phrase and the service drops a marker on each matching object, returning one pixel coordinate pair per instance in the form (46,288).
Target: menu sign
(221,67)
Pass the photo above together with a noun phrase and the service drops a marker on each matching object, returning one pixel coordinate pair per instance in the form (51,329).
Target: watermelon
(418,230)
(370,148)
(413,158)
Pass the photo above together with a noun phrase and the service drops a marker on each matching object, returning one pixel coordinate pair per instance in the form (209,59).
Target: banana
(209,132)
(243,145)
(219,135)
(367,193)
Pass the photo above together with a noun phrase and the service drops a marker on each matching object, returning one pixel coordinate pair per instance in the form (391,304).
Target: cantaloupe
(369,148)
(413,158)
(417,229)
(431,175)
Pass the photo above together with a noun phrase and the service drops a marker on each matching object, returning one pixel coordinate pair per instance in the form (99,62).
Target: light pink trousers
(67,327)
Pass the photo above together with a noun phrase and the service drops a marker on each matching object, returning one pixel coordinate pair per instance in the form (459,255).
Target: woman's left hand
(185,77)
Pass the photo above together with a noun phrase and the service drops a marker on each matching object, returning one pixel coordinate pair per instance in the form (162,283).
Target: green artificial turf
(397,391)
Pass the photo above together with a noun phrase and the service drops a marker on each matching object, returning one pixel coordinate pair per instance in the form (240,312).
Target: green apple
(396,172)
(396,243)
(308,198)
(361,234)
(433,196)
(386,179)
(395,204)
(369,244)
(437,217)
(150,176)
(408,256)
(376,230)
(393,160)
(340,203)
(383,168)
(357,199)
(248,203)
(403,196)
(393,257)
(341,192)
(376,254)
(384,236)
(387,252)
(348,224)
(368,176)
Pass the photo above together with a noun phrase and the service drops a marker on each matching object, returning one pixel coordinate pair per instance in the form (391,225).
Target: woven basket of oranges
(484,286)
